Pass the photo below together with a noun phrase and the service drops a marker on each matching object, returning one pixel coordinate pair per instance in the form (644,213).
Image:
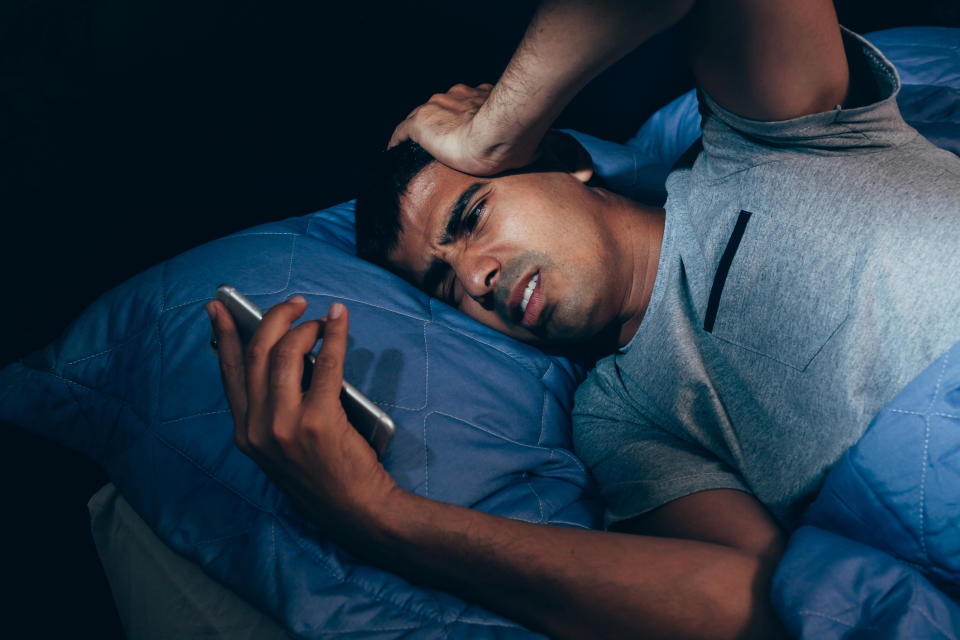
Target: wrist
(380,524)
(501,139)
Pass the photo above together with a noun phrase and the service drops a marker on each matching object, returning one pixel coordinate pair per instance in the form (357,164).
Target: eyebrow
(456,213)
(437,270)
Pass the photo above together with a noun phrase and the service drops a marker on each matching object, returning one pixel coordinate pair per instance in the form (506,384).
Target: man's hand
(490,129)
(302,440)
(562,580)
(449,128)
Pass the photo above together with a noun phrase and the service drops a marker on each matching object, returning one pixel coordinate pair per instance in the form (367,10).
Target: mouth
(527,300)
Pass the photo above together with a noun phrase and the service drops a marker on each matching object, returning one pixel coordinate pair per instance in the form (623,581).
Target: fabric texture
(850,246)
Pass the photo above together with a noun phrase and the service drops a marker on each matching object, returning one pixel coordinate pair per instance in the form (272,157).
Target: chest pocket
(780,290)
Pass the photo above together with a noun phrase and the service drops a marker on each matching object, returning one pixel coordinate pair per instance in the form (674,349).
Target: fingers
(284,392)
(463,91)
(460,96)
(276,322)
(324,392)
(230,354)
(459,89)
(400,134)
(263,382)
(441,113)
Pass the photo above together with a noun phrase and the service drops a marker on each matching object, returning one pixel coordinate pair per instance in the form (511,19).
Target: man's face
(529,254)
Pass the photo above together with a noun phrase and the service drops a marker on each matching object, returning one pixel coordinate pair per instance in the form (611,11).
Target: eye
(472,219)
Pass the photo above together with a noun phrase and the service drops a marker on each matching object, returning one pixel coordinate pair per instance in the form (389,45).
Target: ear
(560,151)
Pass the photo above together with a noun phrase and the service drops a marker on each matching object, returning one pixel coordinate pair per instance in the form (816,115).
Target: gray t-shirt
(810,268)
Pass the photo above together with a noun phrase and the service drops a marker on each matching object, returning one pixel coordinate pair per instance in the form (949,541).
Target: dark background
(132,131)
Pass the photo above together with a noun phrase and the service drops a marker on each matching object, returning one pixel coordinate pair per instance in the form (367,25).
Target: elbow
(744,602)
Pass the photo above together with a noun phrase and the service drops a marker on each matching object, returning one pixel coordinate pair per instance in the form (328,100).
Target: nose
(479,277)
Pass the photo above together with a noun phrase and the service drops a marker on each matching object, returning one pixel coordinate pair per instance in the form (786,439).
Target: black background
(132,131)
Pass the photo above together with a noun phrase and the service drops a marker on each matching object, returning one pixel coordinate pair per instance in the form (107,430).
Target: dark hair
(378,205)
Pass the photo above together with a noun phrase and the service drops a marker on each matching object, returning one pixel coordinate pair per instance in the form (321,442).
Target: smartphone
(369,419)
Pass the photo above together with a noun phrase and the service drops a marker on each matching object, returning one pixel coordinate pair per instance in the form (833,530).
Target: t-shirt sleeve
(734,143)
(638,465)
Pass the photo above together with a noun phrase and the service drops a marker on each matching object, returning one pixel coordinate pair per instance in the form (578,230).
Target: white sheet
(160,594)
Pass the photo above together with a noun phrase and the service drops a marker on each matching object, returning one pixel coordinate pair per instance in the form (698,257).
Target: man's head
(536,254)
(378,207)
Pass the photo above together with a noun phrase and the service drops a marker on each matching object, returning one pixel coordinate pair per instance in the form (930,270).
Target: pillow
(483,421)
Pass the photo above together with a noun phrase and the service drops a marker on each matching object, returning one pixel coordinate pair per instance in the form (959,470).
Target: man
(799,277)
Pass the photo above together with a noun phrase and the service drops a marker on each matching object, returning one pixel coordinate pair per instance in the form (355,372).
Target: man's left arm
(719,516)
(768,59)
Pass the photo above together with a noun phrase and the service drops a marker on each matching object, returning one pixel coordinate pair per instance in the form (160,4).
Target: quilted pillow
(482,421)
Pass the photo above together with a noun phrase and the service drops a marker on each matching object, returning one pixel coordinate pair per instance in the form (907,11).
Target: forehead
(424,209)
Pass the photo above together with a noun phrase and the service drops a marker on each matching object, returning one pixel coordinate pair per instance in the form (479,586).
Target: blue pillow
(483,421)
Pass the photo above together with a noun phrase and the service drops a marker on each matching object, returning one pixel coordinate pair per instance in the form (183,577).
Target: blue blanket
(879,555)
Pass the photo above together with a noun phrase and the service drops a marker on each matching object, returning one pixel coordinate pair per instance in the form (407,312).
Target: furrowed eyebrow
(438,269)
(456,213)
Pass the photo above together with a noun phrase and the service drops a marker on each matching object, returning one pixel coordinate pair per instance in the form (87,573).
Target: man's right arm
(579,583)
(567,582)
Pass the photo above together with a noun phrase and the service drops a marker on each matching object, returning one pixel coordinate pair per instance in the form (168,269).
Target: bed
(197,542)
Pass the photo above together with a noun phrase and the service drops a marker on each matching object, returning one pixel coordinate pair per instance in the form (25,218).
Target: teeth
(529,292)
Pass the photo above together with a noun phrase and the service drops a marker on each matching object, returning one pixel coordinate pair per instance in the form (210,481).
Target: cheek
(517,230)
(553,227)
(529,218)
(475,310)
(470,307)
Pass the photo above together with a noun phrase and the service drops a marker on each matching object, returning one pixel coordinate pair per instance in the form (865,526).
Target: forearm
(567,582)
(567,44)
(571,582)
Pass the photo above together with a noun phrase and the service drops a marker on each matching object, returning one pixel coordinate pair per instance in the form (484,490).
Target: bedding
(879,553)
(483,421)
(159,594)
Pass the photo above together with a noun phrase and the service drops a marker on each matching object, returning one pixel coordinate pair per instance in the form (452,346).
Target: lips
(527,300)
(529,292)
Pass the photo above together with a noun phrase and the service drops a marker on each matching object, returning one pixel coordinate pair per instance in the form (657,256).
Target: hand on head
(452,128)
